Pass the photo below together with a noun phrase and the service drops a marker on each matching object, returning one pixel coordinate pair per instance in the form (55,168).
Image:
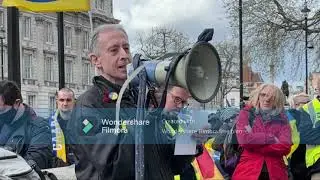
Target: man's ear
(17,103)
(95,60)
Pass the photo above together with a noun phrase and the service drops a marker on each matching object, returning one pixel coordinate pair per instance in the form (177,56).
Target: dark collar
(103,83)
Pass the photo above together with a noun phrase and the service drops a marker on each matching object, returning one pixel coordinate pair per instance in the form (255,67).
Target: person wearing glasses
(62,154)
(268,139)
(104,147)
(177,98)
(21,130)
(173,114)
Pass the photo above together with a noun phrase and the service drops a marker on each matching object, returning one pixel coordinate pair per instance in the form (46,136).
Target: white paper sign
(185,144)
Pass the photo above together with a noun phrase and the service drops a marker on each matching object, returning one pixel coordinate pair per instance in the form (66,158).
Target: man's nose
(124,54)
(180,105)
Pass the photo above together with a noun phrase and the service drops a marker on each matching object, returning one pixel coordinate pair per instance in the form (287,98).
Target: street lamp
(240,53)
(305,10)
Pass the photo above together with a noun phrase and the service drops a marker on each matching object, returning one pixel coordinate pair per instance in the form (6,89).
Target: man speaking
(103,155)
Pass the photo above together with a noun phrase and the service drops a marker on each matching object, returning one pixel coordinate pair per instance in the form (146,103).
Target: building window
(2,19)
(233,102)
(48,29)
(49,68)
(68,36)
(27,65)
(100,4)
(31,100)
(110,5)
(86,73)
(68,69)
(5,63)
(26,27)
(52,104)
(85,42)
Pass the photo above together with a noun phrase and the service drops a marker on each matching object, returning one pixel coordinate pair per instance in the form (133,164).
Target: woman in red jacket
(267,141)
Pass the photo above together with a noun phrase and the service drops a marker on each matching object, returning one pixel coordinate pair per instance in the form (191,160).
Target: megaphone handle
(151,97)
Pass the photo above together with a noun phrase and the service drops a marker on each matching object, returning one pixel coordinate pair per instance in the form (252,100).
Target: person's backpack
(231,150)
(14,167)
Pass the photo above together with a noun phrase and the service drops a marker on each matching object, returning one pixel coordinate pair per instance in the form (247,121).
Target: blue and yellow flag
(49,5)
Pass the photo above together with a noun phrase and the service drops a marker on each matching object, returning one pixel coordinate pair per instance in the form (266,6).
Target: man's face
(65,101)
(177,98)
(114,55)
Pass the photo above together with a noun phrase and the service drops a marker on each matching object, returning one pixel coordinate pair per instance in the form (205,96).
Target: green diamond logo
(87,126)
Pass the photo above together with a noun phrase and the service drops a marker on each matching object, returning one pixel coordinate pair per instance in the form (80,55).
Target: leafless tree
(274,30)
(160,41)
(229,56)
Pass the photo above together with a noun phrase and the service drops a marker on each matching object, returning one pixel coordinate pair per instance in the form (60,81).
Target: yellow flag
(49,5)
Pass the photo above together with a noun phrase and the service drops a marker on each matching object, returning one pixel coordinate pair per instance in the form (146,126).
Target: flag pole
(14,72)
(61,50)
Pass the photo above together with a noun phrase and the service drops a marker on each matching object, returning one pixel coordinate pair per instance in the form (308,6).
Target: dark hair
(10,92)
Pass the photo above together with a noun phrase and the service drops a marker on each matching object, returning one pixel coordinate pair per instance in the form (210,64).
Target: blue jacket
(29,136)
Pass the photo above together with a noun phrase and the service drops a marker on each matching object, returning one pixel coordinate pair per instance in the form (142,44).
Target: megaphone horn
(199,71)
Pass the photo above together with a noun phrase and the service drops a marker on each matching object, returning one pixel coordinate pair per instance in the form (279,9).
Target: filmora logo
(41,1)
(87,126)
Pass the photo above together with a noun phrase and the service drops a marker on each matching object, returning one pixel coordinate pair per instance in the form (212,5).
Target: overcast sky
(187,16)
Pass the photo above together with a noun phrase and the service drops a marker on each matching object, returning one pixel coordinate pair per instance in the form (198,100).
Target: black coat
(30,137)
(110,156)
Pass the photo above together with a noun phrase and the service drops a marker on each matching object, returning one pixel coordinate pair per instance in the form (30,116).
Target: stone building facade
(39,52)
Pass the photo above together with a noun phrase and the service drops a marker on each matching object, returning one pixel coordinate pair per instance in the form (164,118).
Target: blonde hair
(278,101)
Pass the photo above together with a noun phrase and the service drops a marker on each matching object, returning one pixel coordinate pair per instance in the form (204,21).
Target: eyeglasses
(178,100)
(67,100)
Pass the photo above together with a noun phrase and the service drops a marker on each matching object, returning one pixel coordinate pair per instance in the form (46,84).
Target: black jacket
(30,137)
(109,156)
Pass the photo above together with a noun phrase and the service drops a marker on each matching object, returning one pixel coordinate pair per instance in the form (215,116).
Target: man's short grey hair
(66,90)
(100,29)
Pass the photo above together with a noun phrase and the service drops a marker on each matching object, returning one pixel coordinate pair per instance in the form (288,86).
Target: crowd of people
(263,140)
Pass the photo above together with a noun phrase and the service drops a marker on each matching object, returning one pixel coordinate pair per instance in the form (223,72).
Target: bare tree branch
(160,41)
(274,30)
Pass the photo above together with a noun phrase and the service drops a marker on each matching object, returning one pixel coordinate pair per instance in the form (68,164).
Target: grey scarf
(268,114)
